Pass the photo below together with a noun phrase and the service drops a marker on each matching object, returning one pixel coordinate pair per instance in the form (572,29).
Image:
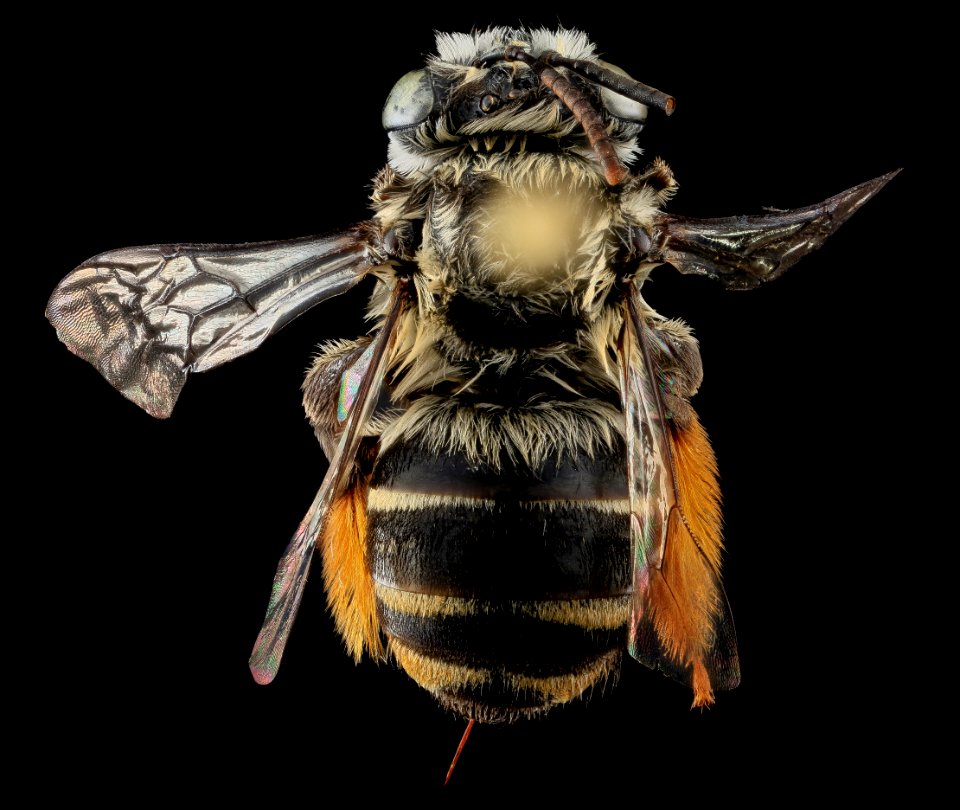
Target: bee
(519,488)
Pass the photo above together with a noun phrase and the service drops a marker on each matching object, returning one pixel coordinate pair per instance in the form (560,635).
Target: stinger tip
(463,742)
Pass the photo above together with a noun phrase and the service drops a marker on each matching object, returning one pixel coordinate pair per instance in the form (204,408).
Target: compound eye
(410,101)
(621,106)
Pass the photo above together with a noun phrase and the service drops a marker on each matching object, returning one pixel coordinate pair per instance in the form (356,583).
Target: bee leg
(702,688)
(343,546)
(347,575)
(688,606)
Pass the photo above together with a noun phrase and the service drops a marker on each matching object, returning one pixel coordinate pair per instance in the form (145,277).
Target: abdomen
(503,590)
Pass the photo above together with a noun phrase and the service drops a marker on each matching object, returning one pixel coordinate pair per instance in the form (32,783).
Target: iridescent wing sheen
(294,566)
(681,622)
(146,317)
(744,252)
(652,493)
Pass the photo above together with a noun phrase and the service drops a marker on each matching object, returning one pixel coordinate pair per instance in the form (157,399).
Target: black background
(156,542)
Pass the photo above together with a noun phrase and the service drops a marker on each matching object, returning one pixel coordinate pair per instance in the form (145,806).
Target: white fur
(464,49)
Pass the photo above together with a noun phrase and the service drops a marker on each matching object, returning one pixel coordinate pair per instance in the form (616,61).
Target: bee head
(504,90)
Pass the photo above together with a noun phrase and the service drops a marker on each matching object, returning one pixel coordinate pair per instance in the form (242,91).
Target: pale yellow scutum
(536,225)
(532,236)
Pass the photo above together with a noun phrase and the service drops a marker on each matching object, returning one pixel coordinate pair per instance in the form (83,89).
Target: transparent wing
(681,623)
(743,252)
(650,479)
(146,317)
(295,564)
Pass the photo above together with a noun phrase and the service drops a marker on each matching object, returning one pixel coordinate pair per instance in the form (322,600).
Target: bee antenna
(618,82)
(463,742)
(578,104)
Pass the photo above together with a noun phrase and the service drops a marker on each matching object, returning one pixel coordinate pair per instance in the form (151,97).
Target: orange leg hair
(347,576)
(685,594)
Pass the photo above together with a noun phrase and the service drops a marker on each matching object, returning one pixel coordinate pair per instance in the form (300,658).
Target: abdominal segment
(502,590)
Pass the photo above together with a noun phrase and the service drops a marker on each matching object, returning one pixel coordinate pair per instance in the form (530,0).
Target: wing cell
(744,252)
(146,317)
(681,621)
